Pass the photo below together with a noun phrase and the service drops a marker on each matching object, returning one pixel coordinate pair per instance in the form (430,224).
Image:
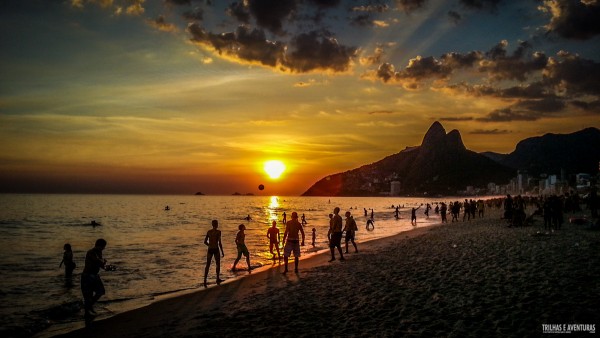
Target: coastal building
(395,188)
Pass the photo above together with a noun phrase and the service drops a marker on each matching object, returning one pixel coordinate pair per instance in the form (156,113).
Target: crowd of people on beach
(551,209)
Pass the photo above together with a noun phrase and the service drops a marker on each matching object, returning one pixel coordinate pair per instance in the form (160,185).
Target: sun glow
(274,168)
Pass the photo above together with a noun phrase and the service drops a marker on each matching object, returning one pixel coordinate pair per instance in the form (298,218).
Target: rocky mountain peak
(454,140)
(434,136)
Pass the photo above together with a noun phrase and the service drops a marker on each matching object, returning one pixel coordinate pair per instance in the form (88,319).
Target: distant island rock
(198,194)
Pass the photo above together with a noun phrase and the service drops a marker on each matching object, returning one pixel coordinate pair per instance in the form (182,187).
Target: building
(395,188)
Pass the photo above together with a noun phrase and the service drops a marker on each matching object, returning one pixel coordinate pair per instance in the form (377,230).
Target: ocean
(157,252)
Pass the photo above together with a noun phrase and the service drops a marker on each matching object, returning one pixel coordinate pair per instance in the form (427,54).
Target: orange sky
(184,96)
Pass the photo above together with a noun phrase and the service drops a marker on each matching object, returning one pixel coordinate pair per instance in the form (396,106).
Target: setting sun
(274,168)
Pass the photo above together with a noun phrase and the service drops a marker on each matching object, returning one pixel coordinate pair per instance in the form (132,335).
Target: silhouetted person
(291,238)
(350,229)
(213,241)
(413,215)
(370,225)
(443,211)
(273,236)
(508,207)
(335,234)
(240,239)
(92,287)
(67,260)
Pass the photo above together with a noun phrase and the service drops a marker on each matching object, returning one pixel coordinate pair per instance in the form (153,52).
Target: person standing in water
(241,247)
(291,239)
(413,215)
(213,241)
(92,287)
(273,236)
(68,260)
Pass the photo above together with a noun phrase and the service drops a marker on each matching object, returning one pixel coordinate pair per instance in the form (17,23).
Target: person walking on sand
(92,287)
(273,236)
(335,234)
(68,260)
(291,239)
(213,241)
(241,248)
(350,229)
(314,236)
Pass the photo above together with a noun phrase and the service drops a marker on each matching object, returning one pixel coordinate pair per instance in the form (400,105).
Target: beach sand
(477,278)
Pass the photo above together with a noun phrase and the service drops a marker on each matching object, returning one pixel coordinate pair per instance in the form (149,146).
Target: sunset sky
(180,96)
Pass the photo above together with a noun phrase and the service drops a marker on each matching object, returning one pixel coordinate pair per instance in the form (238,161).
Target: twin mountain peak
(443,165)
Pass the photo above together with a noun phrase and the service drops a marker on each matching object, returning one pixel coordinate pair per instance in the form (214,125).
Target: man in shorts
(213,241)
(335,234)
(240,239)
(92,287)
(273,236)
(291,239)
(350,229)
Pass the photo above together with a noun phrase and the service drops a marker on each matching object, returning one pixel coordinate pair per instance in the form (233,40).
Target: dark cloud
(509,114)
(409,6)
(454,16)
(423,68)
(546,105)
(456,119)
(501,66)
(197,14)
(244,44)
(179,2)
(490,131)
(314,50)
(270,14)
(362,20)
(480,4)
(458,60)
(574,19)
(536,90)
(573,75)
(325,3)
(592,107)
(239,11)
(526,110)
(306,52)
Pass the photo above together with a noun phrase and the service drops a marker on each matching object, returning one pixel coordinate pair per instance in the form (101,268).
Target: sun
(274,168)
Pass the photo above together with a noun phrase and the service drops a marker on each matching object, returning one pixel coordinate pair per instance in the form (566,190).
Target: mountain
(578,152)
(440,165)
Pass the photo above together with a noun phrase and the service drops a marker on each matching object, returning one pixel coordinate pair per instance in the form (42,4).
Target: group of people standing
(293,238)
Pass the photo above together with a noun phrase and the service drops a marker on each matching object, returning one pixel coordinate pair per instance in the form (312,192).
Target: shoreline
(464,278)
(259,275)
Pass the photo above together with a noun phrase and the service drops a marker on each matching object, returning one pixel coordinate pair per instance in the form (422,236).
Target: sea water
(157,252)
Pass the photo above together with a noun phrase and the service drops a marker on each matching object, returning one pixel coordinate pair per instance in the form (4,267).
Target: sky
(186,96)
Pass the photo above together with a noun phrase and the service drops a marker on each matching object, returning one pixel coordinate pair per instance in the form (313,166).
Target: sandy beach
(477,278)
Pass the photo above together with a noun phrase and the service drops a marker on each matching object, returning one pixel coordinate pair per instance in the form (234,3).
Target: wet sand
(477,278)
